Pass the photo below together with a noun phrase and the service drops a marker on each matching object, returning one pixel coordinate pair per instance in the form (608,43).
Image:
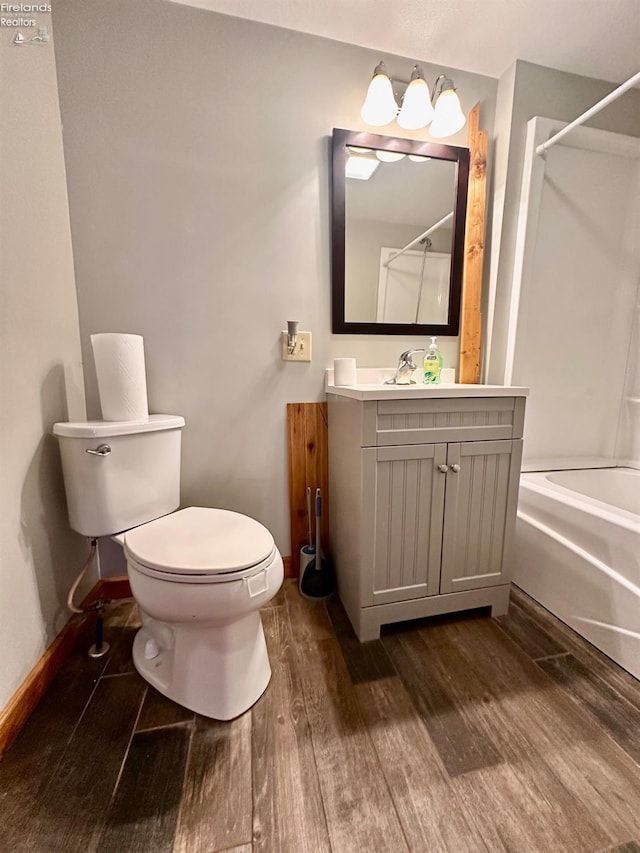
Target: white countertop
(370,386)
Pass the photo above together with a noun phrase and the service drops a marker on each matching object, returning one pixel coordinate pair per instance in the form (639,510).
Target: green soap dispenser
(432,364)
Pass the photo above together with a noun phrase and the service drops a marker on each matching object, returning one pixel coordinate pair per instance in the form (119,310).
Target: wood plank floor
(459,733)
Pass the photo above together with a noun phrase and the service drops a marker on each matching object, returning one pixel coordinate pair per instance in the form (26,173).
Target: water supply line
(99,648)
(72,607)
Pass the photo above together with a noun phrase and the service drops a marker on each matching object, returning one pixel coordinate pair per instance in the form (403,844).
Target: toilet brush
(318,580)
(307,551)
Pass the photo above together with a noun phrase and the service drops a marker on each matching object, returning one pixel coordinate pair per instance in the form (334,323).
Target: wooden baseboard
(289,569)
(109,589)
(32,689)
(23,702)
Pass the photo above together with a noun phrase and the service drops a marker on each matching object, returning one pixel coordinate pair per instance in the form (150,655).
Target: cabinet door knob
(455,468)
(442,468)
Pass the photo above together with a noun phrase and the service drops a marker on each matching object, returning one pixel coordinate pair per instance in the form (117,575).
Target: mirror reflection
(399,211)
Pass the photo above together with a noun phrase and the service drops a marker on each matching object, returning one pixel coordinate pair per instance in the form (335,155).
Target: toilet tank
(119,474)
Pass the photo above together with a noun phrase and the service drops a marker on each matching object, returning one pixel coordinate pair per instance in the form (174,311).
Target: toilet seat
(200,545)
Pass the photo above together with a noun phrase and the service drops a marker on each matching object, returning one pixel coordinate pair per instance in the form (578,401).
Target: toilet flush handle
(101,450)
(257,584)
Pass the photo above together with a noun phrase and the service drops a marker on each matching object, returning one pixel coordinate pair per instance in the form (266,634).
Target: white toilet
(198,575)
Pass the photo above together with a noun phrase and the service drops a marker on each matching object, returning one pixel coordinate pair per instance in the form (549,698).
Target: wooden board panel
(307,449)
(471,318)
(144,809)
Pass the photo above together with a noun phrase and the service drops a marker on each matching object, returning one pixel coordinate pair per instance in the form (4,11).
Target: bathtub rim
(538,482)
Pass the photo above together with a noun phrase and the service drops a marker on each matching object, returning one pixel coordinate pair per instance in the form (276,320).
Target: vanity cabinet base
(422,503)
(367,621)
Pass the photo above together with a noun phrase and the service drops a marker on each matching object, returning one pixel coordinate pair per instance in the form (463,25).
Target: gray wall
(39,555)
(197,152)
(525,91)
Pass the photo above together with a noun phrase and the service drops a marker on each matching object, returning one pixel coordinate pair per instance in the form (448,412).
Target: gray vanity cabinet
(422,500)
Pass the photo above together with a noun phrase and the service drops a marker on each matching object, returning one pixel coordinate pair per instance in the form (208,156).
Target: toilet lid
(200,540)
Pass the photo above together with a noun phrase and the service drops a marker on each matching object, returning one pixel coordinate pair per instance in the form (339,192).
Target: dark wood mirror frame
(458,155)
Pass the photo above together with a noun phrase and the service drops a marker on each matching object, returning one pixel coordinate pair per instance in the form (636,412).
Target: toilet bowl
(199,577)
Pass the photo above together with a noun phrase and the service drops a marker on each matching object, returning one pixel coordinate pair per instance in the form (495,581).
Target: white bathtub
(577,552)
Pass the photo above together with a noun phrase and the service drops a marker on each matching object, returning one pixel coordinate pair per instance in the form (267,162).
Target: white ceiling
(595,38)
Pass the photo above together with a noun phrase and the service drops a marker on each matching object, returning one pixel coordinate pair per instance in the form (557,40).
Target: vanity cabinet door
(479,516)
(403,493)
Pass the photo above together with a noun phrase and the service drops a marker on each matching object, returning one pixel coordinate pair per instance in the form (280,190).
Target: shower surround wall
(526,90)
(197,148)
(628,447)
(575,288)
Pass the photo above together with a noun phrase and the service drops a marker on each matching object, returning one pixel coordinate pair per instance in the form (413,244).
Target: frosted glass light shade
(389,156)
(448,116)
(416,111)
(380,106)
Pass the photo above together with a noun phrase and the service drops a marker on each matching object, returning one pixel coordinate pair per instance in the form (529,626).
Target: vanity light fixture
(448,116)
(417,111)
(379,106)
(389,156)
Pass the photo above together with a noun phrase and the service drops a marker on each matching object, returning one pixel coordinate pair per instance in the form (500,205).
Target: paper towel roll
(122,382)
(344,371)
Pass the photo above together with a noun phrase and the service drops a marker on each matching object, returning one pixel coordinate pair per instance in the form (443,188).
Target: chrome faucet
(404,369)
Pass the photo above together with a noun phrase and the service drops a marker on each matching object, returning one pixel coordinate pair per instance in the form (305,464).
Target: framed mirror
(398,225)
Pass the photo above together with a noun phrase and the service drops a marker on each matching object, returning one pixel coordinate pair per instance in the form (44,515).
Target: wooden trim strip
(308,466)
(32,689)
(109,589)
(24,700)
(471,317)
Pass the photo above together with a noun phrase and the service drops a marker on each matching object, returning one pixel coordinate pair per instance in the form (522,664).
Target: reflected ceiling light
(416,110)
(360,168)
(418,158)
(381,106)
(389,156)
(448,117)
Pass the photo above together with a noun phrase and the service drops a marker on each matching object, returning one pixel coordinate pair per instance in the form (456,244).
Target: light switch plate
(302,351)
